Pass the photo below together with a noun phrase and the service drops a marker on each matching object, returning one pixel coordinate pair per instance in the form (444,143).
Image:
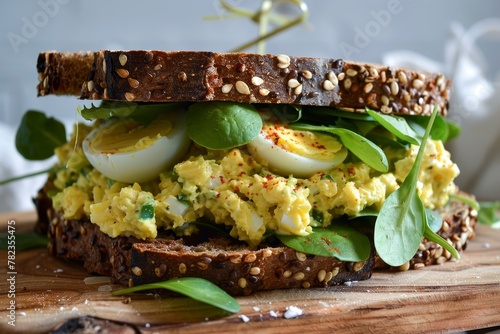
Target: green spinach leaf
(39,135)
(222,125)
(488,214)
(193,287)
(24,240)
(396,125)
(364,149)
(338,240)
(402,222)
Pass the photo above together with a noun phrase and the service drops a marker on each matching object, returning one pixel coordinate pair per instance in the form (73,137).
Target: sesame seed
(133,83)
(347,84)
(297,90)
(438,252)
(328,276)
(306,285)
(254,271)
(257,81)
(182,268)
(321,275)
(202,265)
(335,271)
(417,83)
(333,78)
(383,76)
(299,276)
(105,93)
(267,252)
(301,256)
(283,59)
(421,76)
(405,266)
(137,271)
(306,74)
(328,85)
(250,258)
(402,77)
(122,72)
(158,272)
(368,87)
(242,88)
(283,65)
(341,76)
(226,88)
(182,76)
(293,83)
(90,85)
(385,100)
(242,283)
(351,72)
(386,109)
(358,266)
(129,96)
(264,92)
(158,67)
(122,58)
(373,72)
(287,274)
(441,260)
(236,259)
(406,96)
(418,265)
(104,66)
(394,88)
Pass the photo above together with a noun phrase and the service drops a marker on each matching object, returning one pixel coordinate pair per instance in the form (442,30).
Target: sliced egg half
(128,151)
(292,152)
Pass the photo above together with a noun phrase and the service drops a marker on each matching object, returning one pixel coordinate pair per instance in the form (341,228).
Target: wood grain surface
(456,296)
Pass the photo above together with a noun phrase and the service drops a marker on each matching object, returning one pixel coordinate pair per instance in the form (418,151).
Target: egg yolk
(305,143)
(129,135)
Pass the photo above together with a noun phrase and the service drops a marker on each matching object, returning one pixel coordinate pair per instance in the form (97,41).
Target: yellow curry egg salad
(236,188)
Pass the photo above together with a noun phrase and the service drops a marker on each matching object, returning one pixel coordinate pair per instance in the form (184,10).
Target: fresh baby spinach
(338,240)
(402,221)
(193,287)
(24,240)
(488,214)
(360,146)
(38,135)
(396,125)
(222,125)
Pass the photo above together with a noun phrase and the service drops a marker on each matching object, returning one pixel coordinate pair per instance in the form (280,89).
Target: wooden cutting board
(455,296)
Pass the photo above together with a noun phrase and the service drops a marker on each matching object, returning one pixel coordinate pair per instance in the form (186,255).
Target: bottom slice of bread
(231,265)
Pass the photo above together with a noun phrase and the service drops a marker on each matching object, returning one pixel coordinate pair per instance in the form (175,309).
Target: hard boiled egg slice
(301,153)
(129,151)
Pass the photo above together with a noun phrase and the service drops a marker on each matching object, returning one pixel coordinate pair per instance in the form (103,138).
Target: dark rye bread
(232,266)
(193,76)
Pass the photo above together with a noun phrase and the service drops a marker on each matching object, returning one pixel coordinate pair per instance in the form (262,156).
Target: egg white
(285,162)
(140,165)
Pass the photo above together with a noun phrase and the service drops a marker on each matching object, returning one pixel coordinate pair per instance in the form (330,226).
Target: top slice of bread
(195,76)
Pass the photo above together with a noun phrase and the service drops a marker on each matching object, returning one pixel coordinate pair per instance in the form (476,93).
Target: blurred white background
(364,30)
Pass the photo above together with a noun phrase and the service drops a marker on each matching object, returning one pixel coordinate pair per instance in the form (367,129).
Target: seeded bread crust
(62,73)
(193,76)
(232,266)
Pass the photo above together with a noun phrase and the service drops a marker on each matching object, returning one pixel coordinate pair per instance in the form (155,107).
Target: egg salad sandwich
(256,172)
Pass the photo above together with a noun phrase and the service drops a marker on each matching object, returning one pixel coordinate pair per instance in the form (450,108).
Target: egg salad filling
(251,190)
